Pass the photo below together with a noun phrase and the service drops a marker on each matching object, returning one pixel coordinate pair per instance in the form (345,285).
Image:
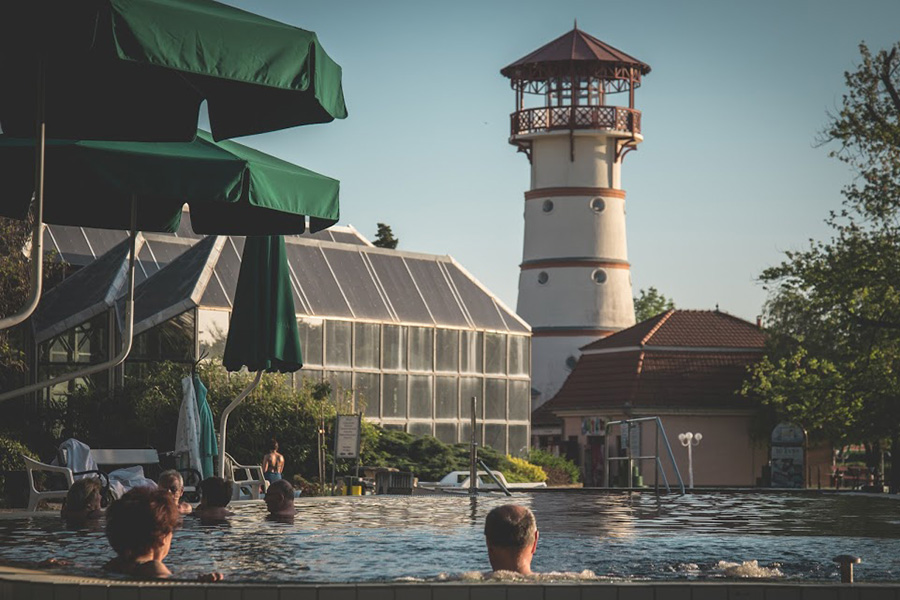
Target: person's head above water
(511,535)
(83,500)
(280,498)
(141,523)
(215,492)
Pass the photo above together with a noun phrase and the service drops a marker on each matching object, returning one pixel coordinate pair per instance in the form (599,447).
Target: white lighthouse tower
(574,283)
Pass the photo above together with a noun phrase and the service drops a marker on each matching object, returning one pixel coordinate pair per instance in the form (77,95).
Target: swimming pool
(628,536)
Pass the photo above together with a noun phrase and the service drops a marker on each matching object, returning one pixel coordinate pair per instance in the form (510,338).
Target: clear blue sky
(727,179)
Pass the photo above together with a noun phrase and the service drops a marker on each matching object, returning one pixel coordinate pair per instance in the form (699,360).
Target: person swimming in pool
(173,482)
(82,503)
(273,463)
(215,494)
(139,527)
(512,537)
(280,500)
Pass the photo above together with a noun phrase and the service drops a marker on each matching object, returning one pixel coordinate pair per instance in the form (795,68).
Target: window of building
(471,350)
(394,353)
(311,331)
(495,399)
(447,346)
(367,390)
(495,353)
(337,343)
(518,440)
(420,428)
(420,397)
(547,206)
(598,205)
(393,397)
(367,345)
(519,400)
(468,387)
(495,436)
(543,277)
(73,350)
(519,358)
(446,405)
(445,432)
(421,349)
(212,331)
(341,390)
(599,276)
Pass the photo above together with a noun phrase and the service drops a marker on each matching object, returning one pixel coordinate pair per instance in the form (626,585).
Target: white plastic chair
(250,481)
(35,496)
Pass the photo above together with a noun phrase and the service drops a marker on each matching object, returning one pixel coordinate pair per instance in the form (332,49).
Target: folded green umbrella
(230,188)
(262,334)
(139,70)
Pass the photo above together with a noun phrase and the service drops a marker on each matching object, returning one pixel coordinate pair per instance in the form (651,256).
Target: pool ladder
(630,425)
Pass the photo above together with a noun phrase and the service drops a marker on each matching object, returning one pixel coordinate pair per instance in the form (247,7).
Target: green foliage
(15,285)
(560,470)
(834,308)
(649,303)
(11,452)
(385,237)
(522,471)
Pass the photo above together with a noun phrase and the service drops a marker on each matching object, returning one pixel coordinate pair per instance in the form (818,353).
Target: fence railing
(549,118)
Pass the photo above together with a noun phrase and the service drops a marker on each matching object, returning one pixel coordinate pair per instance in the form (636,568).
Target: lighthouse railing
(550,118)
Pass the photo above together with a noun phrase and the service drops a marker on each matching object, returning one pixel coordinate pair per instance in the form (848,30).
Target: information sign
(346,436)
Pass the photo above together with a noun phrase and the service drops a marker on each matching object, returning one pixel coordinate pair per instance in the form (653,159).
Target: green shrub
(560,470)
(522,471)
(13,491)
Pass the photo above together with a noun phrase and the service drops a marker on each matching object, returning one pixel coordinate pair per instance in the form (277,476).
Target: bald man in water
(512,536)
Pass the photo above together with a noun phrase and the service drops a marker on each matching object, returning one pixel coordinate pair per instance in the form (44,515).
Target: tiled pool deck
(20,584)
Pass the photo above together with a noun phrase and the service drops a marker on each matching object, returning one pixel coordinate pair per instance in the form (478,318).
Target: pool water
(627,536)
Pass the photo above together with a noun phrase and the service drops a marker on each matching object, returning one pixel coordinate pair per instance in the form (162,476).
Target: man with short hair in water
(512,536)
(83,501)
(273,463)
(173,482)
(280,499)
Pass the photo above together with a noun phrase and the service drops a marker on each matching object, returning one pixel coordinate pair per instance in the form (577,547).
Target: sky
(730,175)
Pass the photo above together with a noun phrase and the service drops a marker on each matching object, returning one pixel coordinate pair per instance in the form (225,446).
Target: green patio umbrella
(230,188)
(140,69)
(262,334)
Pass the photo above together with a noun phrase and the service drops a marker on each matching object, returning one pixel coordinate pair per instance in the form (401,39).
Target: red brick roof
(678,359)
(575,45)
(688,329)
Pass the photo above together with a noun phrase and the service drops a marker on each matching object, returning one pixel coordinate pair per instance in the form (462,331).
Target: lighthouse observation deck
(552,118)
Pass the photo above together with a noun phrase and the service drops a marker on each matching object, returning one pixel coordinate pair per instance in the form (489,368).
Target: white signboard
(346,436)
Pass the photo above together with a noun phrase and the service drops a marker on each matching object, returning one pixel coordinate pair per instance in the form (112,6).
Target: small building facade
(683,366)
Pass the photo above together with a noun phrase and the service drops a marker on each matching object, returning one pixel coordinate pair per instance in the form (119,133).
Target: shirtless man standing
(273,463)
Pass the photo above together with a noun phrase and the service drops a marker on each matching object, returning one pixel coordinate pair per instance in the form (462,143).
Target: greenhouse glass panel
(341,390)
(367,345)
(519,400)
(519,361)
(447,347)
(368,394)
(212,329)
(311,330)
(518,440)
(468,387)
(420,428)
(420,397)
(421,349)
(471,346)
(495,353)
(337,343)
(394,354)
(445,432)
(393,399)
(446,393)
(495,399)
(495,436)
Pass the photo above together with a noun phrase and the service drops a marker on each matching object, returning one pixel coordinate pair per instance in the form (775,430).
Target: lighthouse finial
(576,24)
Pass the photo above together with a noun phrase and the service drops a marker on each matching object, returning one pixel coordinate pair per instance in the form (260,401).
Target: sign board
(787,460)
(346,436)
(593,426)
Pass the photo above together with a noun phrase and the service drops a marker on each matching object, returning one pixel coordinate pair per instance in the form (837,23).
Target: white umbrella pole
(127,333)
(37,235)
(223,422)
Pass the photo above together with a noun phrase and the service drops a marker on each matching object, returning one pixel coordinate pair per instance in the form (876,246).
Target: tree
(834,309)
(385,237)
(649,303)
(15,284)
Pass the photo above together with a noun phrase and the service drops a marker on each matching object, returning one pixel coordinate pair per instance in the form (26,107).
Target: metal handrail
(659,428)
(494,477)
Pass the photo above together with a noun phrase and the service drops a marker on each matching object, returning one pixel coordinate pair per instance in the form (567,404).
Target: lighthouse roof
(577,47)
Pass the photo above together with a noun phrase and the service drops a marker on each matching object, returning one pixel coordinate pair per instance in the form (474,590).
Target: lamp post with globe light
(688,440)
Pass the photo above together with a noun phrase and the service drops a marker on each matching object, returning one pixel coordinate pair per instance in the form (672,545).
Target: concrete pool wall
(21,584)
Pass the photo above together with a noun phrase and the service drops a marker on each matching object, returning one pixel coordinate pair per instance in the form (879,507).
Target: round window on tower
(599,276)
(543,277)
(547,206)
(571,362)
(598,204)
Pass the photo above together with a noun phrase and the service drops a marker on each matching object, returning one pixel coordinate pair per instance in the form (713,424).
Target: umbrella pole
(127,333)
(37,234)
(223,421)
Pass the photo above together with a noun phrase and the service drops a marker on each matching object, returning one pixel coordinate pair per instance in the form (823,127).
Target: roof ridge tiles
(656,327)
